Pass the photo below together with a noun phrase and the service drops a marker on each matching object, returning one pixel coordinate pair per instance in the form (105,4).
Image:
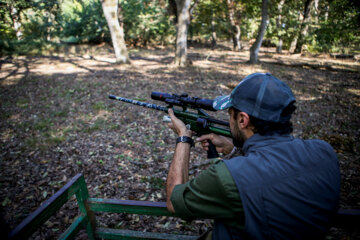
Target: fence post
(82,196)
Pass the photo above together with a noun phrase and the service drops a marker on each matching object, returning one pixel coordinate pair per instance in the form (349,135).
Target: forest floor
(56,121)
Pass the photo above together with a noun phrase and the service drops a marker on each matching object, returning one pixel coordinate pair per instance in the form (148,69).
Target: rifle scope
(184,100)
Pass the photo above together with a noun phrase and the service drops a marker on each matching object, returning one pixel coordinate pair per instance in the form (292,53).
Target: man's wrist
(229,149)
(185,139)
(186,133)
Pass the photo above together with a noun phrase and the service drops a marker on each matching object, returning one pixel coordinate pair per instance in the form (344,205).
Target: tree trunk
(120,16)
(279,27)
(183,14)
(254,50)
(235,28)
(326,14)
(15,17)
(213,30)
(110,8)
(316,7)
(295,39)
(304,26)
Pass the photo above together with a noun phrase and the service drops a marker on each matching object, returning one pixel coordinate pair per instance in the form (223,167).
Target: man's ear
(243,120)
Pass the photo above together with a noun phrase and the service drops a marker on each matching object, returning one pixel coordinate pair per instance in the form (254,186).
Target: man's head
(267,101)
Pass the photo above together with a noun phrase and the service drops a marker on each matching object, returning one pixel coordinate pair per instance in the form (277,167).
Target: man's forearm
(178,172)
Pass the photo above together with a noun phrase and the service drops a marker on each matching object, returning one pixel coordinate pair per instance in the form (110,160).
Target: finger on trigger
(202,138)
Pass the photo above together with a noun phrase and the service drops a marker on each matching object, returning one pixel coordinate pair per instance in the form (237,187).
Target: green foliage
(6,29)
(205,12)
(341,31)
(250,13)
(335,26)
(26,46)
(146,21)
(83,21)
(289,20)
(9,11)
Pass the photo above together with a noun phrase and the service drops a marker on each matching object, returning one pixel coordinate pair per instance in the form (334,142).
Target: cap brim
(222,102)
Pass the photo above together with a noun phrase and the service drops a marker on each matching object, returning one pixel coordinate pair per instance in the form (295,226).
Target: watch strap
(185,139)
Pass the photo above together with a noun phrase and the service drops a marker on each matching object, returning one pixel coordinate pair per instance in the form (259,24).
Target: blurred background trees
(315,26)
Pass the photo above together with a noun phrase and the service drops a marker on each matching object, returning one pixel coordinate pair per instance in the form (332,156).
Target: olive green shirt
(213,195)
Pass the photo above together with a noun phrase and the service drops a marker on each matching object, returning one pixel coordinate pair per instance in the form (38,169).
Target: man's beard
(238,137)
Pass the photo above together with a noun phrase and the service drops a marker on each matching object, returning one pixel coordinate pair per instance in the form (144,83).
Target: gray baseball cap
(260,95)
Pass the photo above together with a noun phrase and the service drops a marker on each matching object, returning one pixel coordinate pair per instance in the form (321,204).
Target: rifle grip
(211,152)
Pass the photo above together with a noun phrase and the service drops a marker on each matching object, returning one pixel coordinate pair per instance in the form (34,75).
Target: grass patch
(43,125)
(99,124)
(23,103)
(27,47)
(32,142)
(60,114)
(5,115)
(68,130)
(24,126)
(149,143)
(114,126)
(67,94)
(54,140)
(43,143)
(155,182)
(98,106)
(120,156)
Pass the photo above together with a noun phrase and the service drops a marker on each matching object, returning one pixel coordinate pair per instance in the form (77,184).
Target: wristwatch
(185,139)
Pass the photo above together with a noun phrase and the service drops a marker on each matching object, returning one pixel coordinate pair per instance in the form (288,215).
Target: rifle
(199,122)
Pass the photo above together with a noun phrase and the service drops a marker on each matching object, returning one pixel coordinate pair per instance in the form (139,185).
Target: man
(279,188)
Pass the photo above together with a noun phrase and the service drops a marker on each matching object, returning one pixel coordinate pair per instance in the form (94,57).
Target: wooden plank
(129,206)
(27,227)
(108,233)
(74,228)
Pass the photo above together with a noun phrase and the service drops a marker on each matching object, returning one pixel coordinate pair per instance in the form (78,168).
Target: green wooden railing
(88,206)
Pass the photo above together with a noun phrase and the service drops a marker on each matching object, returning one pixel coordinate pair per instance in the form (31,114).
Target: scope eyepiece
(161,96)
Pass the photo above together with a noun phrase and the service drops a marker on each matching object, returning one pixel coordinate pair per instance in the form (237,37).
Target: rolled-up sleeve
(212,194)
(178,201)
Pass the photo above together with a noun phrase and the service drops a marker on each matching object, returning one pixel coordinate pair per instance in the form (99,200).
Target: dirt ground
(57,121)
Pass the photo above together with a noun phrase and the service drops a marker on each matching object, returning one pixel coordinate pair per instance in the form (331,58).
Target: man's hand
(177,125)
(222,144)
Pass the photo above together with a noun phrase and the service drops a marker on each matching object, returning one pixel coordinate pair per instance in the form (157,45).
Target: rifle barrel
(143,104)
